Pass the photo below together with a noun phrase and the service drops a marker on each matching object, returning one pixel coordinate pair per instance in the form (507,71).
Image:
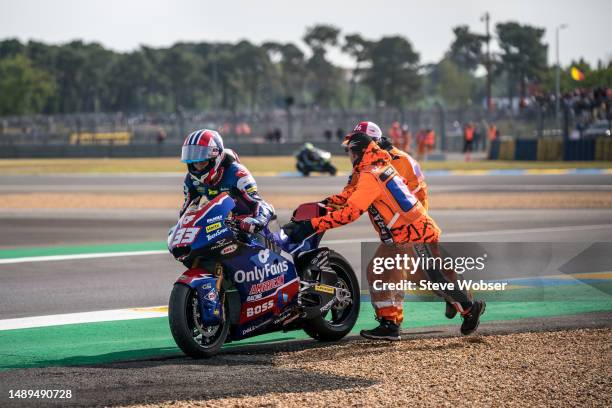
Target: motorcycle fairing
(267,284)
(260,267)
(202,225)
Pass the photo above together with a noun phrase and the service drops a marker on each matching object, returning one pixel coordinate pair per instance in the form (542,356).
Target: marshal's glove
(298,231)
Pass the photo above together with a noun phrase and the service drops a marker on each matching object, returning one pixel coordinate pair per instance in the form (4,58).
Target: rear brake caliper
(337,297)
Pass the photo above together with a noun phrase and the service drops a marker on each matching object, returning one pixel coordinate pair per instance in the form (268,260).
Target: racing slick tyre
(340,319)
(195,339)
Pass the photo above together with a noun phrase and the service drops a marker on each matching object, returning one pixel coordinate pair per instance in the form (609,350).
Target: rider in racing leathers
(213,170)
(308,156)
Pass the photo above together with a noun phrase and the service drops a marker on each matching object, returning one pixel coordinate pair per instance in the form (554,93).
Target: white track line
(568,228)
(85,317)
(485,233)
(328,242)
(78,256)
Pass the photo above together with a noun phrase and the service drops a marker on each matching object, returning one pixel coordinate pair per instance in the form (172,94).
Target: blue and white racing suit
(237,181)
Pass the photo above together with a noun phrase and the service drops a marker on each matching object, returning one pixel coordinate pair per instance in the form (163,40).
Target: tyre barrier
(579,150)
(603,149)
(507,149)
(552,149)
(494,150)
(526,149)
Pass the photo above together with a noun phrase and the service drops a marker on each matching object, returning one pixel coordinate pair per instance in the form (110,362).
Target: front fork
(210,300)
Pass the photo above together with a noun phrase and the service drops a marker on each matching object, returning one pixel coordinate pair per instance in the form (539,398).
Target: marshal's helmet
(359,139)
(203,145)
(369,128)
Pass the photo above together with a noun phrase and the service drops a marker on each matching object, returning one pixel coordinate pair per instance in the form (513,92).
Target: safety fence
(171,149)
(551,149)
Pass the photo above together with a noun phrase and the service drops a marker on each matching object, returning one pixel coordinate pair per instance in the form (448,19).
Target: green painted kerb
(95,343)
(81,249)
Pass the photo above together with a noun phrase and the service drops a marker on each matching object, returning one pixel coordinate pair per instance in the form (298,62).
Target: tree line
(86,77)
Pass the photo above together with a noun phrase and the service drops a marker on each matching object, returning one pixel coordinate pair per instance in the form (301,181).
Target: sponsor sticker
(213,227)
(216,234)
(229,249)
(263,255)
(252,298)
(221,243)
(214,219)
(261,274)
(254,327)
(187,219)
(325,289)
(267,285)
(253,311)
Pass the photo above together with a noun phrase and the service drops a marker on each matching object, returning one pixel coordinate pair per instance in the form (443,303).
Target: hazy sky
(123,25)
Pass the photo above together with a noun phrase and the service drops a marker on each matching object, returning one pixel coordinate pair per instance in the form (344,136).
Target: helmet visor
(197,153)
(347,139)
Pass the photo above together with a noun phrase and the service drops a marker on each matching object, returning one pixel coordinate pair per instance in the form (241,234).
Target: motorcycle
(240,285)
(321,162)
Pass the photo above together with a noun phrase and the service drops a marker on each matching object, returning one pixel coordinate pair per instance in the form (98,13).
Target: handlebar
(233,224)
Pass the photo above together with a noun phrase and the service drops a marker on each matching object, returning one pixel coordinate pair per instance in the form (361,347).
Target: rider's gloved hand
(297,231)
(250,225)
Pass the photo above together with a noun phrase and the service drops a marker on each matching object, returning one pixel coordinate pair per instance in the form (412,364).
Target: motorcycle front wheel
(190,334)
(331,169)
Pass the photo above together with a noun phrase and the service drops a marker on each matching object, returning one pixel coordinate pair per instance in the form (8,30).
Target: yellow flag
(576,74)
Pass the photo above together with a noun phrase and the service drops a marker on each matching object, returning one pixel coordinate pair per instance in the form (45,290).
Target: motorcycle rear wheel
(195,339)
(342,320)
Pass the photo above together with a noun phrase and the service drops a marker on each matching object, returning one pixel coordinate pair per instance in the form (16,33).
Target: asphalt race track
(51,287)
(170,182)
(108,283)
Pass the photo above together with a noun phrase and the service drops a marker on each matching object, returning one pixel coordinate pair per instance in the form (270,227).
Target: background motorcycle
(240,285)
(321,162)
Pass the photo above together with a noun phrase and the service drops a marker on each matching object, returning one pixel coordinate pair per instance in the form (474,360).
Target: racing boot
(450,311)
(471,318)
(387,330)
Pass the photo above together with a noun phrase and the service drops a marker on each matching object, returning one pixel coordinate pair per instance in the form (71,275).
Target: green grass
(261,165)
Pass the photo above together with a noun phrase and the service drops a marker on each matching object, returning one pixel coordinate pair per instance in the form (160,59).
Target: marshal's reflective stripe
(400,193)
(395,217)
(386,303)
